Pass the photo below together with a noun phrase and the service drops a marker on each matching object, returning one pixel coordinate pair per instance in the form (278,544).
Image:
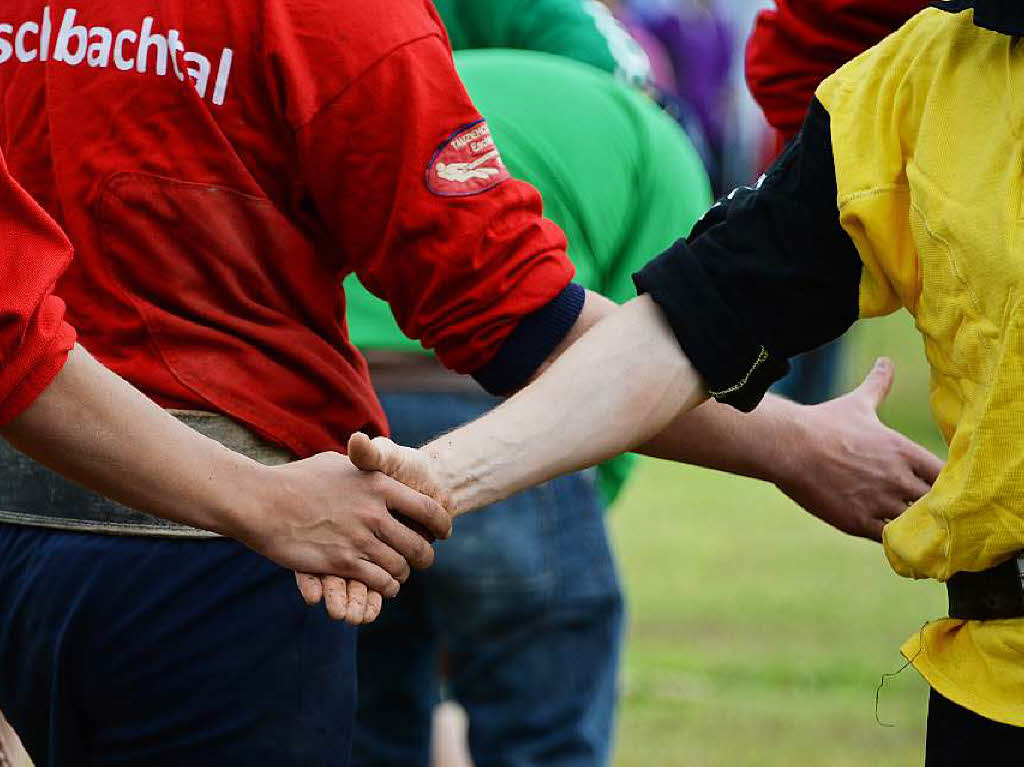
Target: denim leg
(526,600)
(533,613)
(813,375)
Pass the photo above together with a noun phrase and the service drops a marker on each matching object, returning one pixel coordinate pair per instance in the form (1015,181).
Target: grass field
(757,634)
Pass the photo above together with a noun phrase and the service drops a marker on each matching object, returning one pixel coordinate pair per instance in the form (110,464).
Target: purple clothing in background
(698,44)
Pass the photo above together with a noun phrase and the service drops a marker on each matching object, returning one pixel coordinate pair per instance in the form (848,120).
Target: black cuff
(736,369)
(532,342)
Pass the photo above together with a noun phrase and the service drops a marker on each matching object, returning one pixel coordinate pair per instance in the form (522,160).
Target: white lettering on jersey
(6,49)
(23,53)
(142,50)
(68,30)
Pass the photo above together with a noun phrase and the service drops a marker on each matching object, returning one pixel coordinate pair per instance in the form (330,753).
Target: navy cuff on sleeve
(532,342)
(736,369)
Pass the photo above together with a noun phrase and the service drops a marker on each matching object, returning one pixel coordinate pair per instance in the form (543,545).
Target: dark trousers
(132,651)
(957,737)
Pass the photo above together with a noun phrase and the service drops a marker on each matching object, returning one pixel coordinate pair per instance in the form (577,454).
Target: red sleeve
(800,43)
(400,168)
(34,338)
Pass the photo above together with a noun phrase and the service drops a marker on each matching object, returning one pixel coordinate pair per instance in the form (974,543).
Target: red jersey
(792,49)
(34,338)
(221,166)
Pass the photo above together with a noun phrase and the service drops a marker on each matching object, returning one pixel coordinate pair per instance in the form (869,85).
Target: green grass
(757,634)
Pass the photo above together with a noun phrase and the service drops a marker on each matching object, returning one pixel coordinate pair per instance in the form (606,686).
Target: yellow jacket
(926,132)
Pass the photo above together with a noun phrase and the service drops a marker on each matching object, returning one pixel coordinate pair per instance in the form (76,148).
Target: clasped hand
(841,464)
(357,601)
(325,514)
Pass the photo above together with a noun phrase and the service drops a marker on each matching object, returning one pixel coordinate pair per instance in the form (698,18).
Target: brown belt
(395,372)
(33,495)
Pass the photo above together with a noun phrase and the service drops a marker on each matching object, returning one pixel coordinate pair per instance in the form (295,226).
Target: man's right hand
(323,515)
(356,601)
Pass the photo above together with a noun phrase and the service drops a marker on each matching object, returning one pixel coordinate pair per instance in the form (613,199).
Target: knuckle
(363,540)
(345,563)
(424,558)
(376,518)
(374,578)
(377,483)
(434,511)
(364,512)
(330,460)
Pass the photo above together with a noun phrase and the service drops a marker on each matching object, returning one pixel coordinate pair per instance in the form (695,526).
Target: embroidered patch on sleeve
(467,162)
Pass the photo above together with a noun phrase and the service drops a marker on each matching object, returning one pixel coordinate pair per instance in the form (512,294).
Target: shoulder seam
(329,102)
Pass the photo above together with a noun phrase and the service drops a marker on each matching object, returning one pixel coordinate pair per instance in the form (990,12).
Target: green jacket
(583,30)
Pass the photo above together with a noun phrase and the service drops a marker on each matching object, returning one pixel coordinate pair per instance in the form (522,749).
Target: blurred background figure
(793,47)
(525,601)
(695,48)
(584,30)
(690,46)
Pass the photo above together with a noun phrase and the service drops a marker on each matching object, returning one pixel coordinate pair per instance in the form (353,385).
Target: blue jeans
(130,651)
(813,375)
(524,600)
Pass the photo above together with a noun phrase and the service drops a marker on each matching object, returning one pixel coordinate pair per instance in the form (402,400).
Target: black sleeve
(768,273)
(536,336)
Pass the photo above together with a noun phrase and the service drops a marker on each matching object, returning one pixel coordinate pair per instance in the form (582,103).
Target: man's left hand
(854,472)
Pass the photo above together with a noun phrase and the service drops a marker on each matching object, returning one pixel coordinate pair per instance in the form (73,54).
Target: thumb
(383,455)
(875,387)
(402,464)
(363,453)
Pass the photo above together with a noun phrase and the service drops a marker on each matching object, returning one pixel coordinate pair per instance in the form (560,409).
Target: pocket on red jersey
(234,297)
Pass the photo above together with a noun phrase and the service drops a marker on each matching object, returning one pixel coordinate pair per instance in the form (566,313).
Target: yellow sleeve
(869,105)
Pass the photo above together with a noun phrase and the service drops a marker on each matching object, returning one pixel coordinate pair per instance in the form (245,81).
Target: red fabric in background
(793,48)
(34,338)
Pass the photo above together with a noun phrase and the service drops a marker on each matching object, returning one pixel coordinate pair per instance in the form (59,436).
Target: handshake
(361,522)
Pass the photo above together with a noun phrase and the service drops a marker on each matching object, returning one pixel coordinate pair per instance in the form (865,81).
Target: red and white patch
(468,162)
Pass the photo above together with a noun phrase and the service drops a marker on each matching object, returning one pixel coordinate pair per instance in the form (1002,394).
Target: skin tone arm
(321,514)
(871,472)
(626,383)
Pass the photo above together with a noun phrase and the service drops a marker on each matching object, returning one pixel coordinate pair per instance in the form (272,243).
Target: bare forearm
(713,435)
(615,388)
(93,427)
(758,444)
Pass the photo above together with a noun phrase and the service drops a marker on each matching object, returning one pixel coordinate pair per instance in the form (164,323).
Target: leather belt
(33,495)
(397,372)
(993,594)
